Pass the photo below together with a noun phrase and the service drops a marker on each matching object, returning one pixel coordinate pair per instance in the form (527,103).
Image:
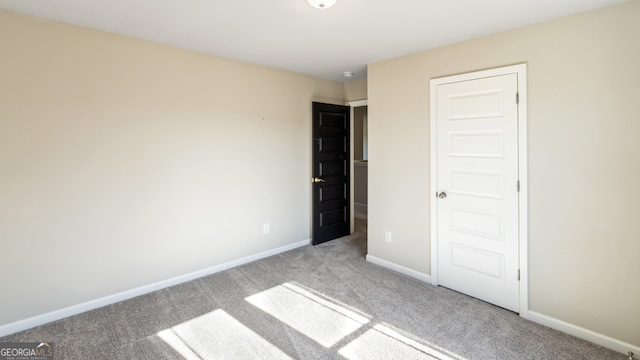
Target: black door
(331,177)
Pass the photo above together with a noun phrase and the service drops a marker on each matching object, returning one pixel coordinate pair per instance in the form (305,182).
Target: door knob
(442,195)
(316,180)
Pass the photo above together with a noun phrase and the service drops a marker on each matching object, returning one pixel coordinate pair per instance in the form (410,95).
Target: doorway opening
(359,160)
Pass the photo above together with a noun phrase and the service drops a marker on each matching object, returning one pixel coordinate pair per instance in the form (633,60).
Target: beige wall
(359,114)
(360,183)
(584,199)
(124,162)
(356,90)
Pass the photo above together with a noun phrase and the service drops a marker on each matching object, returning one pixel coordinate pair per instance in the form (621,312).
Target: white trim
(128,294)
(352,104)
(585,334)
(433,131)
(399,268)
(523,198)
(521,71)
(358,103)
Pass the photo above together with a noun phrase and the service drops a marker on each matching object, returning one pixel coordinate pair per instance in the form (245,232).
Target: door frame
(523,216)
(353,104)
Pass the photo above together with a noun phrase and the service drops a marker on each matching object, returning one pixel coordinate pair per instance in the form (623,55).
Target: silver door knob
(442,195)
(316,180)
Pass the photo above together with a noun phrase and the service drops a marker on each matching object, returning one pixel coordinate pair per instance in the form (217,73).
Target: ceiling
(292,35)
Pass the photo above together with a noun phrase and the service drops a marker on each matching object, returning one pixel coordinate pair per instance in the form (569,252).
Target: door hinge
(517,98)
(518,186)
(518,274)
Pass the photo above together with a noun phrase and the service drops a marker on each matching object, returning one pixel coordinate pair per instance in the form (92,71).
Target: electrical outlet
(265,228)
(387,236)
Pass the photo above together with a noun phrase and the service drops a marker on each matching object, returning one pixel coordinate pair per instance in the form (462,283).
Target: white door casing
(478,144)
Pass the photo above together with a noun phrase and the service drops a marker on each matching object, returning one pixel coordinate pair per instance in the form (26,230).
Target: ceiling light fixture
(322,4)
(347,74)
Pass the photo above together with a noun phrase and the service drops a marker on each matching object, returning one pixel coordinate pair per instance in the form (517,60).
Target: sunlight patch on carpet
(218,335)
(383,342)
(322,320)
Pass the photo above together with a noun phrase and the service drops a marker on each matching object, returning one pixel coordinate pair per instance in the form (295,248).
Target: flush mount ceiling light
(322,4)
(347,74)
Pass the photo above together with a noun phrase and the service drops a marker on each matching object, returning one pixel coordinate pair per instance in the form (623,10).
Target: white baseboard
(399,268)
(585,334)
(128,294)
(579,332)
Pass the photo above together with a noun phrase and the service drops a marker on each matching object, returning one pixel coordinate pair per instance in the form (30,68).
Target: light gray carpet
(322,302)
